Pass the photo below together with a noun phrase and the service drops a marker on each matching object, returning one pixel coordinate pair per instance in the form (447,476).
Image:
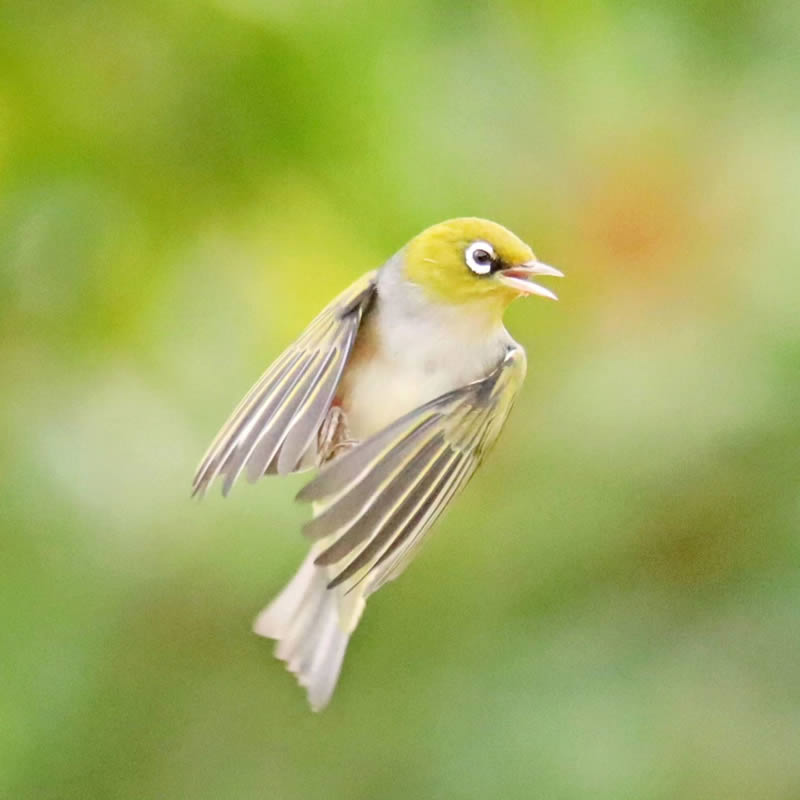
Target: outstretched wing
(276,424)
(375,502)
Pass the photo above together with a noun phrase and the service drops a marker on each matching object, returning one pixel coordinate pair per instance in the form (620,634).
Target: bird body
(410,351)
(395,391)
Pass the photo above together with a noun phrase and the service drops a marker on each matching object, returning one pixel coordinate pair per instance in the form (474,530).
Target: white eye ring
(479,257)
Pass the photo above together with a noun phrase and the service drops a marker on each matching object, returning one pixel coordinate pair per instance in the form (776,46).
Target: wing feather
(346,471)
(390,524)
(371,518)
(256,441)
(368,489)
(242,413)
(394,559)
(225,443)
(375,502)
(303,429)
(275,425)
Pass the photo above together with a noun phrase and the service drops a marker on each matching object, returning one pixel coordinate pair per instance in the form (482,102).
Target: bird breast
(405,357)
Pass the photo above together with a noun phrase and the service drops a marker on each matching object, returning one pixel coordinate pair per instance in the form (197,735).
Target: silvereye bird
(396,392)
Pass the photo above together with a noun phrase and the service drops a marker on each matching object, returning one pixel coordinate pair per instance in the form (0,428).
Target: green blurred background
(611,610)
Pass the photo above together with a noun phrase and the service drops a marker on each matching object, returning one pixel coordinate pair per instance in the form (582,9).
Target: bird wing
(276,424)
(375,502)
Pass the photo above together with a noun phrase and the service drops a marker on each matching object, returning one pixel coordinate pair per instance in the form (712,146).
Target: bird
(395,392)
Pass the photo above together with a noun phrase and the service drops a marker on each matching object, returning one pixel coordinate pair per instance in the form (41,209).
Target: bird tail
(312,625)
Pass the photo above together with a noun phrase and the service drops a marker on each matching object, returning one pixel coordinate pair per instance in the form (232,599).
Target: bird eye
(479,257)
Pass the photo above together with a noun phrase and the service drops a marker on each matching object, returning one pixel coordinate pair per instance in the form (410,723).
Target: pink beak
(519,278)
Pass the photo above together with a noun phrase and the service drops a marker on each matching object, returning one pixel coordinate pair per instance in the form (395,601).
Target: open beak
(519,278)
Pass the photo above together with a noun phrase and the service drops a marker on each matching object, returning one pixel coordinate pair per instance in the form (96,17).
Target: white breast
(422,351)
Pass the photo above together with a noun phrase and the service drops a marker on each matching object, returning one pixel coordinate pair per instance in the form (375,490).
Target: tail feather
(312,625)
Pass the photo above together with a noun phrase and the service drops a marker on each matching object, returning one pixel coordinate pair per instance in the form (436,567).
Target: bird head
(468,260)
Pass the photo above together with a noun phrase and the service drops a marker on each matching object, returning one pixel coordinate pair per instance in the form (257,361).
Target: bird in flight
(395,393)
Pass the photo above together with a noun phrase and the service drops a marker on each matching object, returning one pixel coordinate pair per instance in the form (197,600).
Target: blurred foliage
(611,609)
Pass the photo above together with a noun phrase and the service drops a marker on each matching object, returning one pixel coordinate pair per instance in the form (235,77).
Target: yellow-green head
(470,259)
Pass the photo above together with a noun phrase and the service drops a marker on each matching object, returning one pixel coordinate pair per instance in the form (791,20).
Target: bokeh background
(611,610)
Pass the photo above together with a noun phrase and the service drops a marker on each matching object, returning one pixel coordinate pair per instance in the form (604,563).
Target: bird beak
(518,278)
